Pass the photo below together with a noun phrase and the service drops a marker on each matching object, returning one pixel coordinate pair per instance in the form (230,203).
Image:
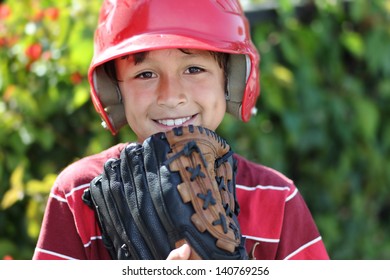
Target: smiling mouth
(173,122)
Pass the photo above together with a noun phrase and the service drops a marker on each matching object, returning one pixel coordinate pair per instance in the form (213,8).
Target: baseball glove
(176,187)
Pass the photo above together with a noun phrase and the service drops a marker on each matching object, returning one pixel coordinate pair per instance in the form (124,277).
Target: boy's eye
(194,70)
(145,75)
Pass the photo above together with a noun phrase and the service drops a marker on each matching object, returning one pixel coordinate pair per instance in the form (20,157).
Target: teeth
(172,122)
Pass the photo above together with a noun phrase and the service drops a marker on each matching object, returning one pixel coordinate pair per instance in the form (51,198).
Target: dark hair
(109,67)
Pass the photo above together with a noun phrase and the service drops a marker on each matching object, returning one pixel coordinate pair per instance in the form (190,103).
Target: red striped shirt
(274,217)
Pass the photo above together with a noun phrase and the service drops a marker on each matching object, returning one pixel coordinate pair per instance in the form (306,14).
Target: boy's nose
(171,92)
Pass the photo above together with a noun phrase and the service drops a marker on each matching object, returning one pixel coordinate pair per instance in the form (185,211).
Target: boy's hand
(181,253)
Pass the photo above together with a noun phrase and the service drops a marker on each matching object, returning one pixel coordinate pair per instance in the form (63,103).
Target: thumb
(181,253)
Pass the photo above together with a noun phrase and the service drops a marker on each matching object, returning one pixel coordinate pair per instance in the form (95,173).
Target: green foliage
(323,114)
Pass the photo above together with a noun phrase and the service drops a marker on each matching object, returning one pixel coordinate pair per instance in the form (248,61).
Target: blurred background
(323,115)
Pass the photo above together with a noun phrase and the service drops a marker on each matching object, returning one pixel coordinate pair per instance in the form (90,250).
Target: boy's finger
(181,253)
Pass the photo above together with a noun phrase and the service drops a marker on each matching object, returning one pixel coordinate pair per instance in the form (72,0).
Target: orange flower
(3,42)
(76,78)
(52,13)
(34,51)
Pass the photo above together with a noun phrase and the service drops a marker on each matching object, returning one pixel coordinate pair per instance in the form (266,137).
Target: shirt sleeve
(300,238)
(69,229)
(58,239)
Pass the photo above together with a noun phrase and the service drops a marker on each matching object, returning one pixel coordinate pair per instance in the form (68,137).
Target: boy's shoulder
(250,173)
(83,170)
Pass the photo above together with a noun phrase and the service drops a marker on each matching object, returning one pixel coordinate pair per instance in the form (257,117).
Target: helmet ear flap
(110,98)
(236,84)
(116,115)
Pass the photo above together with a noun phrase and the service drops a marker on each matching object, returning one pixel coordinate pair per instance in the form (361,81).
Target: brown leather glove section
(206,184)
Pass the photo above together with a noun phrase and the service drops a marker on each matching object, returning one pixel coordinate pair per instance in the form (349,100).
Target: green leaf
(34,187)
(367,117)
(16,192)
(354,43)
(80,97)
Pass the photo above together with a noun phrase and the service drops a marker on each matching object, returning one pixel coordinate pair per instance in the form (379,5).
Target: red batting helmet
(131,26)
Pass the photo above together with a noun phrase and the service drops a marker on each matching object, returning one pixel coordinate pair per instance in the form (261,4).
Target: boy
(160,64)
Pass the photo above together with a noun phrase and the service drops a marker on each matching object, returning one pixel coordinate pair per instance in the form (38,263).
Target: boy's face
(171,88)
